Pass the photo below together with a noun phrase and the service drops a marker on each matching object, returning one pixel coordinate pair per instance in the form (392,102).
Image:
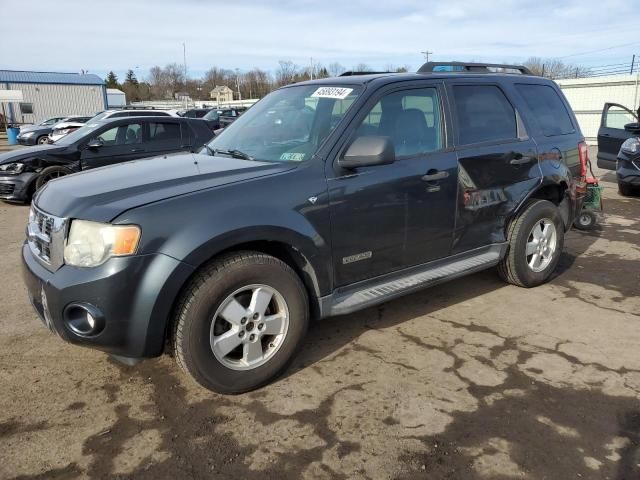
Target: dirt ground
(473,379)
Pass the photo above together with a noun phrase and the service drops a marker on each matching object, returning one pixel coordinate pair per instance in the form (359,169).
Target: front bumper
(628,172)
(17,188)
(134,294)
(27,140)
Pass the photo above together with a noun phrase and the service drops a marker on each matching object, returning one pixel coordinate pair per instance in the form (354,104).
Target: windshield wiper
(232,153)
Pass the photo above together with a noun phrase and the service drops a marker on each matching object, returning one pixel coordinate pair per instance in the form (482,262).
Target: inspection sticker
(332,92)
(292,156)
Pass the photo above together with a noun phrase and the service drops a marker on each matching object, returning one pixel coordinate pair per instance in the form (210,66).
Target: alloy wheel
(249,327)
(541,245)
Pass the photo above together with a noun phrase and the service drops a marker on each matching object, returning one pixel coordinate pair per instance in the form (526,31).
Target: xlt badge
(356,258)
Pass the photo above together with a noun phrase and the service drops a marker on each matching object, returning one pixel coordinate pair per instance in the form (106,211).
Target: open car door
(612,134)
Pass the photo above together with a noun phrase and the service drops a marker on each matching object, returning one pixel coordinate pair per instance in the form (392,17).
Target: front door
(115,144)
(611,134)
(388,217)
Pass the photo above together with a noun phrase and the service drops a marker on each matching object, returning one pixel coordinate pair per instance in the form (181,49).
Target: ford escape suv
(326,197)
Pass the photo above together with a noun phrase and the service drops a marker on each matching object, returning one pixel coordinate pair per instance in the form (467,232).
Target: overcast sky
(99,36)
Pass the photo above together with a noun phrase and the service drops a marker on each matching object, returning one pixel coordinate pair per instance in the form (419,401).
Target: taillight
(583,153)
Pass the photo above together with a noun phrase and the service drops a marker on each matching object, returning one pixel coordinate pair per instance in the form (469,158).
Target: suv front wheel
(240,322)
(535,240)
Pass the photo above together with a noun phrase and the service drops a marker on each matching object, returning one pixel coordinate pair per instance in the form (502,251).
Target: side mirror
(368,151)
(95,143)
(632,127)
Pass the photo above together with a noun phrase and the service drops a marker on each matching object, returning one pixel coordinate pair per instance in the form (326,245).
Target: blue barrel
(12,135)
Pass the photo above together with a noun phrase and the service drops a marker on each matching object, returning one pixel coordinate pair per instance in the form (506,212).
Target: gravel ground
(473,379)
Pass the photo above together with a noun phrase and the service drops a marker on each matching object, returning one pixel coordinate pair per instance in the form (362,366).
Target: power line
(601,50)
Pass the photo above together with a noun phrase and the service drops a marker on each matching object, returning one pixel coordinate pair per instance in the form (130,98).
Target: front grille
(7,188)
(45,235)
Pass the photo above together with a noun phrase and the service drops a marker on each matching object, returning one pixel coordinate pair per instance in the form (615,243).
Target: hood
(28,152)
(104,193)
(35,128)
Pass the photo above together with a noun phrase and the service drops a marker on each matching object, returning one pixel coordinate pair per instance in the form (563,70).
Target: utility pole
(426,54)
(238,84)
(184,59)
(311,69)
(633,61)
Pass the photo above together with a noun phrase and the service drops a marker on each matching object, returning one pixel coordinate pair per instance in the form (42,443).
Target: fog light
(83,319)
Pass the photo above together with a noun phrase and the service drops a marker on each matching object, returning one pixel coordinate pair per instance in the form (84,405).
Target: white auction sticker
(332,92)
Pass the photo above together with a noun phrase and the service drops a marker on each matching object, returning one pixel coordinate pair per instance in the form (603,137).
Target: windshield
(288,125)
(79,133)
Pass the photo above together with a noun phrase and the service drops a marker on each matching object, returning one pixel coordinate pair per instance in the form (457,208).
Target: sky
(99,36)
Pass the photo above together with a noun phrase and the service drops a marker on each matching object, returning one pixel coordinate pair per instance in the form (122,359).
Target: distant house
(182,96)
(221,94)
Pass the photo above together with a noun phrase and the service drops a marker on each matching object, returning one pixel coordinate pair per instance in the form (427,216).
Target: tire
(515,267)
(42,140)
(198,315)
(586,220)
(50,173)
(625,190)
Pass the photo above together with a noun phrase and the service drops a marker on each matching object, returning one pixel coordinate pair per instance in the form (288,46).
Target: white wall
(53,100)
(587,97)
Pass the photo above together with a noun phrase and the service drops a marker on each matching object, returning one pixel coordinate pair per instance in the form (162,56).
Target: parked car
(97,143)
(222,117)
(134,113)
(195,112)
(628,167)
(326,197)
(618,124)
(61,129)
(45,123)
(39,134)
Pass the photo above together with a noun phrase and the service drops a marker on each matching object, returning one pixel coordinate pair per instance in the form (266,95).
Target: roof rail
(463,67)
(353,73)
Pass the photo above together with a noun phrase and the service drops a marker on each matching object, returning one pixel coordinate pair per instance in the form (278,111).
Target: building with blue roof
(52,94)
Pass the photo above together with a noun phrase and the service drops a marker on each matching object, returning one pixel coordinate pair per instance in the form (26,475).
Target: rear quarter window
(548,109)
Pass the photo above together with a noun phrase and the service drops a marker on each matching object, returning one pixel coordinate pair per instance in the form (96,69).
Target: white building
(116,98)
(49,94)
(587,97)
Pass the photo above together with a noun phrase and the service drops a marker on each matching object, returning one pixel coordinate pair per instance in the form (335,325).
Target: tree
(112,80)
(362,67)
(554,68)
(286,72)
(131,77)
(335,69)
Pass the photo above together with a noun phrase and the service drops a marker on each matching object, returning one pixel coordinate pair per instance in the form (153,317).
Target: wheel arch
(557,193)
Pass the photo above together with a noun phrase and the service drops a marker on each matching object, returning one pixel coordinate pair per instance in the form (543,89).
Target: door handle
(432,177)
(521,161)
(605,135)
(137,150)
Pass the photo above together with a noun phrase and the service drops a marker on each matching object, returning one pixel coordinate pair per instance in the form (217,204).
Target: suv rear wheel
(535,240)
(240,322)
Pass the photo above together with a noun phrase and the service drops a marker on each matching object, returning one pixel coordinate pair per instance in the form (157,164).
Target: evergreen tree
(131,78)
(112,80)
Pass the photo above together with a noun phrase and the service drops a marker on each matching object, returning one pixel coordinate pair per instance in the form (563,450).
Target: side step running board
(384,288)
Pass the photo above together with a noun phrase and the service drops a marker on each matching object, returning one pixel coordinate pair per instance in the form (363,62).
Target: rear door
(497,162)
(612,134)
(120,143)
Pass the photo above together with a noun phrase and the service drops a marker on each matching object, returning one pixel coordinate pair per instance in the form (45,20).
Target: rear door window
(484,114)
(548,108)
(164,132)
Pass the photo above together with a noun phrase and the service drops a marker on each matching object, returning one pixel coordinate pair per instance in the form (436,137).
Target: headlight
(90,244)
(13,168)
(631,146)
(27,134)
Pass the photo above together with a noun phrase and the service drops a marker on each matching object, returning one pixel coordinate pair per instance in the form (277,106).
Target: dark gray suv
(324,198)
